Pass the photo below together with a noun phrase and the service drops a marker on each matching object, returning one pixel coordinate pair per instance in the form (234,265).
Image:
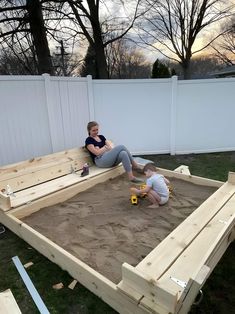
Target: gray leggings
(113,157)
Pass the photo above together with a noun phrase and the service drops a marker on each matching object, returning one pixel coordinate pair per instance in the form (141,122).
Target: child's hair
(149,166)
(90,125)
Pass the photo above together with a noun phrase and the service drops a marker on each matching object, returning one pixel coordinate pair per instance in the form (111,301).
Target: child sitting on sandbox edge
(156,187)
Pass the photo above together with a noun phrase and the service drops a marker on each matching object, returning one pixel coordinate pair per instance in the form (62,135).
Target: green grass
(218,291)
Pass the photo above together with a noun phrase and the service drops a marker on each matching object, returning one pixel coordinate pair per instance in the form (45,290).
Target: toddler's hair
(149,166)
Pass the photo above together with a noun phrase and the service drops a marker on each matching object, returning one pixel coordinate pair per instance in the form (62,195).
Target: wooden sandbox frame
(169,278)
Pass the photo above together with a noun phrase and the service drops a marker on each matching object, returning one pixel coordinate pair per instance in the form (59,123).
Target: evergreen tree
(160,70)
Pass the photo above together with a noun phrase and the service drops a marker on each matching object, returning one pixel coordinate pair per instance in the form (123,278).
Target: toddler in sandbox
(156,187)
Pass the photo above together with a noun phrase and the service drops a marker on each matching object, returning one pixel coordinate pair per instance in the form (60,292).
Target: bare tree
(17,21)
(172,26)
(225,48)
(77,19)
(201,66)
(13,63)
(66,63)
(88,16)
(126,61)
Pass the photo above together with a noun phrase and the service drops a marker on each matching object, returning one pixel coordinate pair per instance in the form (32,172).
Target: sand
(102,228)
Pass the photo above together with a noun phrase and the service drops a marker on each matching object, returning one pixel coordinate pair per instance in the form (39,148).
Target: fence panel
(24,125)
(70,112)
(43,114)
(205,116)
(136,113)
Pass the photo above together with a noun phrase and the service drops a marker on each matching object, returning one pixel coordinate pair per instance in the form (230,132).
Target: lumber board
(161,258)
(148,287)
(5,202)
(35,192)
(152,306)
(8,303)
(91,279)
(193,289)
(231,177)
(190,178)
(183,169)
(41,162)
(37,176)
(206,249)
(31,172)
(66,193)
(196,261)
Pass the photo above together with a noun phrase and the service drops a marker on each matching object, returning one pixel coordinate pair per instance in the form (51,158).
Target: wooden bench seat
(49,187)
(41,169)
(38,177)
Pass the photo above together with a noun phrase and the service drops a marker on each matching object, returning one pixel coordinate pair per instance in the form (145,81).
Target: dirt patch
(102,228)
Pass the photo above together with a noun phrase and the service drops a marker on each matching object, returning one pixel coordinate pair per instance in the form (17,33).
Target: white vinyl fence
(42,114)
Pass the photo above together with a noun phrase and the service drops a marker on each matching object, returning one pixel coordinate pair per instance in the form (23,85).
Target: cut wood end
(58,286)
(27,265)
(72,284)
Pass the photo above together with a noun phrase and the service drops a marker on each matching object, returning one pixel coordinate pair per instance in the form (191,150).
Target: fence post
(90,98)
(173,114)
(51,114)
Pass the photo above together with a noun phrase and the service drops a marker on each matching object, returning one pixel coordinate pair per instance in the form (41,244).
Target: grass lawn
(219,290)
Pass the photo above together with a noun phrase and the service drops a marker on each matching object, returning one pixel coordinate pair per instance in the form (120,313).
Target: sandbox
(102,228)
(138,260)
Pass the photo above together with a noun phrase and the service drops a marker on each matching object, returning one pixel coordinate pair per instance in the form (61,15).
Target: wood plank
(206,249)
(231,177)
(146,285)
(5,202)
(41,162)
(192,290)
(199,259)
(46,188)
(64,194)
(130,292)
(190,178)
(152,306)
(72,284)
(91,279)
(161,258)
(8,303)
(35,177)
(183,169)
(41,169)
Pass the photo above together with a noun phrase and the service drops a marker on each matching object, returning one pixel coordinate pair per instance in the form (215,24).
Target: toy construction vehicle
(134,197)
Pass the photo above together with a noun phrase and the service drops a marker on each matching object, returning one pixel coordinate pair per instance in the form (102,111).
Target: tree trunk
(89,67)
(100,58)
(38,32)
(101,63)
(186,69)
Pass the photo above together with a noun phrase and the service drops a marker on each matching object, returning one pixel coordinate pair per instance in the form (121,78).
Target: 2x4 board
(168,278)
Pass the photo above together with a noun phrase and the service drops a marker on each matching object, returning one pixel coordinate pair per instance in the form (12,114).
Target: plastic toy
(134,199)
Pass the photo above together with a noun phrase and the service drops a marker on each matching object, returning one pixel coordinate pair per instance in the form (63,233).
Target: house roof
(226,72)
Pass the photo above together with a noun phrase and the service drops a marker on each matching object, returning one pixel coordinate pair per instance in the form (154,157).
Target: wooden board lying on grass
(8,303)
(188,254)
